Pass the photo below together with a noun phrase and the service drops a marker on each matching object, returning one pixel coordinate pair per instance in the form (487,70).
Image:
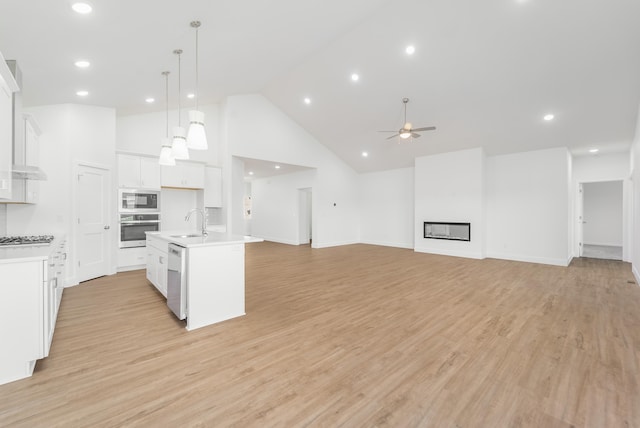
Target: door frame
(627,216)
(111,193)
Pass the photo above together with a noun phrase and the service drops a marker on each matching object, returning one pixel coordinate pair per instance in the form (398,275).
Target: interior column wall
(528,206)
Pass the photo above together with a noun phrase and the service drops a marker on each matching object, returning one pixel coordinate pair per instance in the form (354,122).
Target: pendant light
(196,139)
(166,155)
(179,145)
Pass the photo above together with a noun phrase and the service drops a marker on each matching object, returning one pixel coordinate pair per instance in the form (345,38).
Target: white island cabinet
(214,274)
(157,262)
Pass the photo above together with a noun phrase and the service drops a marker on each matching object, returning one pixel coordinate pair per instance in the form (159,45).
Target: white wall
(450,187)
(255,128)
(603,213)
(70,133)
(387,208)
(275,214)
(143,133)
(635,198)
(528,206)
(175,205)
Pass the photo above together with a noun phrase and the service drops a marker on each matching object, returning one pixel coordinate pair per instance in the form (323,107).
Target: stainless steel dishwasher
(177,281)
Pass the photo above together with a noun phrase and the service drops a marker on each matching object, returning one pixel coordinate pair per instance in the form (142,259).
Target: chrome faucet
(204,219)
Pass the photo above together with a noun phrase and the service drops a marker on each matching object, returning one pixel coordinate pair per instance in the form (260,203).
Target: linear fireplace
(449,231)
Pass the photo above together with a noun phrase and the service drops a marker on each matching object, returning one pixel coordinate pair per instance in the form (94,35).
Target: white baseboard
(277,240)
(389,244)
(636,274)
(332,244)
(441,252)
(530,259)
(603,244)
(128,268)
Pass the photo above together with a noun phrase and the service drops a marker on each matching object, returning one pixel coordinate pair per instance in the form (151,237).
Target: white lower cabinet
(131,258)
(157,250)
(30,293)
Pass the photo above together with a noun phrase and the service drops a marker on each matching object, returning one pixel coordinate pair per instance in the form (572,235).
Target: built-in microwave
(133,228)
(131,200)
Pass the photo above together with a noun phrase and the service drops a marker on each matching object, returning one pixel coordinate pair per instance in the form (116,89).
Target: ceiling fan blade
(387,131)
(393,136)
(414,135)
(428,128)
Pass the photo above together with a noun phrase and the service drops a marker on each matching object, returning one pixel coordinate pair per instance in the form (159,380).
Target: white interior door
(304,216)
(93,222)
(580,220)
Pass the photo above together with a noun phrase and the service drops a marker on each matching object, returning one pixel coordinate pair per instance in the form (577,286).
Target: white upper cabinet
(138,172)
(183,176)
(8,86)
(213,187)
(28,192)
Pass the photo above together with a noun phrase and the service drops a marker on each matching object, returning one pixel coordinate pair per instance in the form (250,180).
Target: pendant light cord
(196,94)
(166,101)
(179,89)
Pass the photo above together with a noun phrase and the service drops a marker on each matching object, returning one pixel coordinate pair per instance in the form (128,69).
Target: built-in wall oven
(138,201)
(133,228)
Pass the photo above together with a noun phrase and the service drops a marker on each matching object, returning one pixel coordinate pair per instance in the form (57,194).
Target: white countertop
(181,238)
(26,253)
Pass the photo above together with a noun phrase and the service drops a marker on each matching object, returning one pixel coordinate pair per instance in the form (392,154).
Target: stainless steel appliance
(133,227)
(137,201)
(176,281)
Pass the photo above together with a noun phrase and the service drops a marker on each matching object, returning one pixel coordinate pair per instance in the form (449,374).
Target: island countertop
(194,238)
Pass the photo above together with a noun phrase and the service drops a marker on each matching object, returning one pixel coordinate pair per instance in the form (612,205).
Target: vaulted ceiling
(483,72)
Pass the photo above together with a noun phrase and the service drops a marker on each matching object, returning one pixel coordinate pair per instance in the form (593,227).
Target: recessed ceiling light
(548,117)
(82,64)
(355,77)
(365,154)
(82,93)
(307,101)
(410,50)
(81,7)
(150,100)
(191,96)
(594,150)
(277,166)
(250,172)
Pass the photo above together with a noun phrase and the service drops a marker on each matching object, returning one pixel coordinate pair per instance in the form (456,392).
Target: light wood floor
(350,336)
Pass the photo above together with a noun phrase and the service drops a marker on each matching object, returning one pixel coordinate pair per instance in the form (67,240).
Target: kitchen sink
(193,235)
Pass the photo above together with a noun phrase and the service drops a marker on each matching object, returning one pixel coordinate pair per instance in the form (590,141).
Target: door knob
(107,227)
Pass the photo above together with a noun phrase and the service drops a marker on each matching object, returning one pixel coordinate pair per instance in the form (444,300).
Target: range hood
(20,170)
(27,172)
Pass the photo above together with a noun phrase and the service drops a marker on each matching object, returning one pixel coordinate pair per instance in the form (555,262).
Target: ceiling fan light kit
(407,131)
(196,138)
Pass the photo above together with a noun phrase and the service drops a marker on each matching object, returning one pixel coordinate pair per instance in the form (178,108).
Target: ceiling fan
(407,131)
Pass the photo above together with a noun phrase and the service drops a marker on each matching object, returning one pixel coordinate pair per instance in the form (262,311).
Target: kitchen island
(213,273)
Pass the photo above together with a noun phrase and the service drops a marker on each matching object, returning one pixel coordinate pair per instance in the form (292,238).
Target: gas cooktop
(26,240)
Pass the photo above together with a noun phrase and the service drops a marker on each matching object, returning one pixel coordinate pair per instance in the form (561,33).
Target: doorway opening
(601,223)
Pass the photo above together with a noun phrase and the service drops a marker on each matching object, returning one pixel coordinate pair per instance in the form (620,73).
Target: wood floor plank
(357,335)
